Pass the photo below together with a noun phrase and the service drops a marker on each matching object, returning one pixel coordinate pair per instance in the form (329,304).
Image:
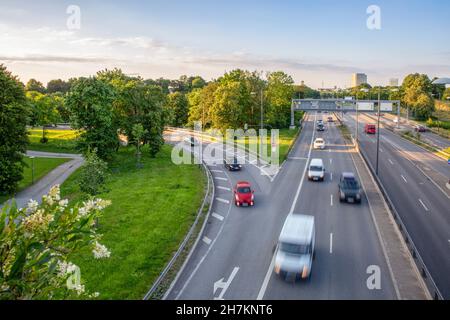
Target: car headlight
(305,272)
(237,198)
(277,269)
(358,196)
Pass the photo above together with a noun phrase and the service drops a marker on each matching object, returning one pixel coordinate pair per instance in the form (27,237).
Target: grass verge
(42,166)
(63,141)
(152,210)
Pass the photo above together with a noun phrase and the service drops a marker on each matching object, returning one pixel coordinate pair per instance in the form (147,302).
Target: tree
(279,95)
(178,107)
(230,100)
(13,132)
(93,174)
(44,111)
(54,86)
(138,132)
(417,90)
(200,104)
(37,243)
(90,104)
(304,92)
(34,85)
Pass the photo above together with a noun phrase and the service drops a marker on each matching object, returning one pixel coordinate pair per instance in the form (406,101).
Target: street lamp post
(378,129)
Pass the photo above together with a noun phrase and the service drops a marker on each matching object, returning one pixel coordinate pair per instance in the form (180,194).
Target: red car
(243,194)
(370,128)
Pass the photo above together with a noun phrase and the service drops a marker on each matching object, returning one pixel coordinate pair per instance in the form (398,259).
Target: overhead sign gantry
(344,105)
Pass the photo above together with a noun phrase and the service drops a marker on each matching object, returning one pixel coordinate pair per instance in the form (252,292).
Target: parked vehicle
(316,170)
(295,249)
(243,194)
(349,188)
(370,128)
(319,143)
(232,164)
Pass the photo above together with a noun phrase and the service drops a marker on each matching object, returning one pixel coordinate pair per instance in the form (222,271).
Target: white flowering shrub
(37,242)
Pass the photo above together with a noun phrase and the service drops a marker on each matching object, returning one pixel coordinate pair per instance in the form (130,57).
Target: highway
(234,258)
(422,204)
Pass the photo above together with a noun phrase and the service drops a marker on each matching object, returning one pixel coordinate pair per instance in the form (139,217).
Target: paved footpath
(54,177)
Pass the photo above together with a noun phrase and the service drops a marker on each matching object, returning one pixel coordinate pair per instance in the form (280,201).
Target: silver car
(295,249)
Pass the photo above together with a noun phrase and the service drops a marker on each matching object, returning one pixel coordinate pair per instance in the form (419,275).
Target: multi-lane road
(234,258)
(415,182)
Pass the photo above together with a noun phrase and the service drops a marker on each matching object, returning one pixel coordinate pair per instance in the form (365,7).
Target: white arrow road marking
(423,204)
(217,216)
(223,200)
(223,188)
(221,284)
(207,240)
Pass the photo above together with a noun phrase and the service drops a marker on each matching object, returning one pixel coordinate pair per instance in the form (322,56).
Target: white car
(316,170)
(319,143)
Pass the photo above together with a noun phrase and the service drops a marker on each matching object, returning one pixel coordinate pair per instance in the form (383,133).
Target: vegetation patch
(62,141)
(152,210)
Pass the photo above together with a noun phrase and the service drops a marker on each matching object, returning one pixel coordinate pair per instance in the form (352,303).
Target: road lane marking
(223,200)
(331,200)
(331,161)
(221,179)
(297,158)
(217,216)
(381,150)
(224,285)
(423,205)
(217,171)
(331,243)
(331,176)
(223,188)
(265,283)
(403,177)
(390,161)
(207,240)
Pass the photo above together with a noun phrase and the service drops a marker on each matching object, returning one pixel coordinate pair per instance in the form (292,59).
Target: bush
(37,242)
(93,174)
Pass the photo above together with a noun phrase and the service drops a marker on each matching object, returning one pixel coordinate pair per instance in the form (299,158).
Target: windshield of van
(294,248)
(315,168)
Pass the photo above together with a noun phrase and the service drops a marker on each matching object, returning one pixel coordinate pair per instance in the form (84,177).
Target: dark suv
(232,164)
(349,188)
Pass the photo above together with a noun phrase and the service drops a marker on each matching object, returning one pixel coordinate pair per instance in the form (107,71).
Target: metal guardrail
(209,195)
(434,290)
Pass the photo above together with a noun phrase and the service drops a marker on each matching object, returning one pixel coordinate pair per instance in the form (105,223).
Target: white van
(316,170)
(295,248)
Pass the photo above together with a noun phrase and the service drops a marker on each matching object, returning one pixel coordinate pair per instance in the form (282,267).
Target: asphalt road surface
(423,207)
(234,259)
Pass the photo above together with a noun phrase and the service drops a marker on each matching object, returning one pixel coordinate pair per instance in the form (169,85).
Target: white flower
(63,203)
(37,222)
(32,206)
(65,268)
(100,251)
(79,288)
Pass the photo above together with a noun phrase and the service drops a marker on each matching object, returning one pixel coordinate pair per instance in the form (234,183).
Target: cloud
(51,59)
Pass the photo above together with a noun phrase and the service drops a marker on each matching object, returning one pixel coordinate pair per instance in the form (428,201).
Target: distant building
(393,82)
(358,79)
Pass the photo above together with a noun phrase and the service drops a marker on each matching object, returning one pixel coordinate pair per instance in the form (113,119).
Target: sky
(321,42)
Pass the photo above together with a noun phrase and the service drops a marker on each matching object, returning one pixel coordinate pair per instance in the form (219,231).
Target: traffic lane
(417,152)
(247,234)
(345,240)
(439,141)
(422,208)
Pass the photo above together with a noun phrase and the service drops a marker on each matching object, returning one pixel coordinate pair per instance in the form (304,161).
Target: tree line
(112,104)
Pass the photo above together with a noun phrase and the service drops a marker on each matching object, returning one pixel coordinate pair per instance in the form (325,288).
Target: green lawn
(42,166)
(63,141)
(286,139)
(152,210)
